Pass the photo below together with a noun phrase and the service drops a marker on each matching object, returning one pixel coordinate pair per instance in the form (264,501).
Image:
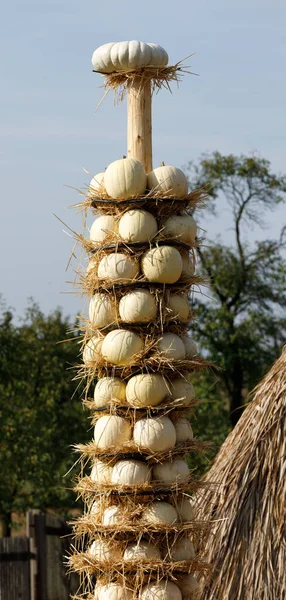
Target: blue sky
(50,130)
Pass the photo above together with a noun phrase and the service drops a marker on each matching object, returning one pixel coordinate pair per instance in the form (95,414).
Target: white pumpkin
(171,346)
(112,591)
(101,472)
(183,549)
(168,179)
(102,310)
(179,308)
(108,389)
(125,178)
(190,347)
(96,184)
(185,508)
(118,267)
(141,551)
(138,306)
(189,586)
(120,347)
(162,264)
(102,228)
(164,590)
(159,513)
(182,390)
(189,265)
(102,550)
(97,509)
(130,472)
(125,56)
(184,430)
(92,349)
(176,471)
(113,515)
(137,226)
(181,227)
(156,435)
(147,389)
(111,430)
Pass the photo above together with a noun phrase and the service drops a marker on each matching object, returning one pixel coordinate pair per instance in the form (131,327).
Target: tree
(40,411)
(242,325)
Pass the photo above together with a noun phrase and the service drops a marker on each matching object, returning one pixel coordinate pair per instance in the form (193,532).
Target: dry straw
(248,545)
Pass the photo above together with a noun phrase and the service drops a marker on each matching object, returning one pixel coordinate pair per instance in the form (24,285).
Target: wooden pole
(139,123)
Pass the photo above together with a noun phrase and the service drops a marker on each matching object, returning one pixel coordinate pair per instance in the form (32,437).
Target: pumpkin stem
(123,156)
(162,164)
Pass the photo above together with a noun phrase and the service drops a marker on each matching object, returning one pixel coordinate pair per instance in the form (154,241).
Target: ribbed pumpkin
(112,591)
(182,390)
(168,179)
(172,472)
(171,346)
(184,430)
(113,515)
(189,265)
(185,508)
(156,435)
(125,178)
(102,228)
(125,56)
(159,513)
(111,430)
(108,389)
(92,349)
(101,472)
(162,264)
(141,551)
(146,389)
(102,310)
(120,347)
(164,590)
(181,227)
(138,306)
(118,267)
(183,549)
(179,308)
(130,472)
(137,226)
(190,347)
(103,550)
(96,184)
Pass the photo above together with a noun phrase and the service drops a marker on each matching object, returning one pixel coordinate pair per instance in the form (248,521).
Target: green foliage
(40,411)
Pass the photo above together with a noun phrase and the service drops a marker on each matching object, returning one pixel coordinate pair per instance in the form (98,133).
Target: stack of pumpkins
(140,522)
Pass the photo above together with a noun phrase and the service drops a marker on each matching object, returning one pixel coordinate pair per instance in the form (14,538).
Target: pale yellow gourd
(125,178)
(96,184)
(141,551)
(92,350)
(159,513)
(118,267)
(185,508)
(181,227)
(109,389)
(137,226)
(120,347)
(126,56)
(163,590)
(189,265)
(171,346)
(178,305)
(162,264)
(190,347)
(102,228)
(183,549)
(168,180)
(102,310)
(101,472)
(184,430)
(111,430)
(113,515)
(182,390)
(146,389)
(156,434)
(138,306)
(189,586)
(112,591)
(102,550)
(168,473)
(130,472)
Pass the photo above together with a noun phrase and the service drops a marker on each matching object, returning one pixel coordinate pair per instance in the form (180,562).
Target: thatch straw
(248,547)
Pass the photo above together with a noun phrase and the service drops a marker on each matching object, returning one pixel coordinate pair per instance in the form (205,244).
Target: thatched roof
(248,547)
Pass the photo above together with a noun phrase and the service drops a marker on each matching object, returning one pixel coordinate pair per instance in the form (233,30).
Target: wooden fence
(32,566)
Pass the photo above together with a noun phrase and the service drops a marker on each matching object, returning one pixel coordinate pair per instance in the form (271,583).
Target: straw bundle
(248,543)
